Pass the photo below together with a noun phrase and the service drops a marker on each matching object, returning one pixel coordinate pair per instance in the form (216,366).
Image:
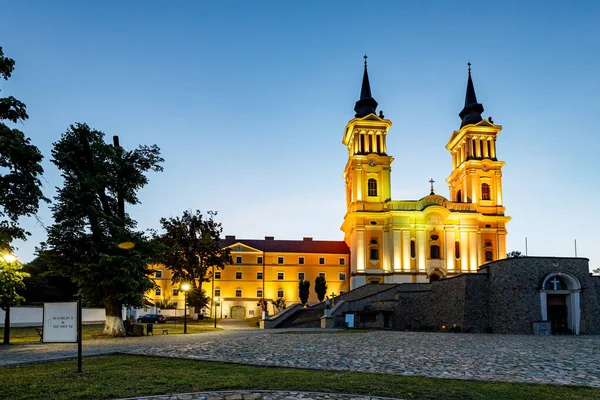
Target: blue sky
(248,102)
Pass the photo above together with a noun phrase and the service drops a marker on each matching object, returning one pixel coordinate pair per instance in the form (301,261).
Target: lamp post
(185,287)
(221,303)
(215,301)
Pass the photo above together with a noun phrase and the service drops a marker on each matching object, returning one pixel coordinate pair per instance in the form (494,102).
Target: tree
(278,305)
(304,290)
(190,246)
(41,286)
(20,167)
(514,254)
(11,280)
(92,236)
(198,298)
(320,287)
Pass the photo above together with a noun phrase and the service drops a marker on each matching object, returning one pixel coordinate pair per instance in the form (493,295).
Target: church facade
(410,241)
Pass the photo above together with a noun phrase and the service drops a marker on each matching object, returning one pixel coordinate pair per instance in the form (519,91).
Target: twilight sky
(248,102)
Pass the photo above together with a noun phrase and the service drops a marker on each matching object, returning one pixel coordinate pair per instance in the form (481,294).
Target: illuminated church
(409,241)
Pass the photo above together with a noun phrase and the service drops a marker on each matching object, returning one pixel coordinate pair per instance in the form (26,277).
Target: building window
(259,260)
(280,276)
(157,291)
(321,260)
(459,196)
(434,252)
(485,191)
(238,292)
(280,294)
(259,293)
(342,261)
(301,276)
(217,274)
(238,259)
(238,275)
(457,250)
(217,292)
(259,275)
(158,273)
(300,260)
(489,256)
(412,249)
(279,260)
(374,254)
(322,274)
(372,185)
(342,276)
(175,292)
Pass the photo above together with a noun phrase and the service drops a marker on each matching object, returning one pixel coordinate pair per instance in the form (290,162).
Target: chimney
(229,237)
(307,239)
(269,237)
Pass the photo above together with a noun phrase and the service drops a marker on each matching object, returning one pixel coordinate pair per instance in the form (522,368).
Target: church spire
(471,113)
(367,104)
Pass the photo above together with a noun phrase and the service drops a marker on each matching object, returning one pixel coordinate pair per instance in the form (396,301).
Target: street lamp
(221,302)
(215,301)
(185,287)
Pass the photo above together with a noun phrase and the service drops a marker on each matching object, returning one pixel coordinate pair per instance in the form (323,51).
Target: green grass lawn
(253,322)
(20,335)
(120,376)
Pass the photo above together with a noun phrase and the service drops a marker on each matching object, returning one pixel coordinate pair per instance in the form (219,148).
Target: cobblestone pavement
(510,358)
(259,395)
(573,360)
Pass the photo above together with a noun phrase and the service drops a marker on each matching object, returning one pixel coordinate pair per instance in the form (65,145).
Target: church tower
(367,177)
(476,176)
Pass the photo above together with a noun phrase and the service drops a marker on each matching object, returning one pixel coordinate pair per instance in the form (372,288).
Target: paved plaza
(573,360)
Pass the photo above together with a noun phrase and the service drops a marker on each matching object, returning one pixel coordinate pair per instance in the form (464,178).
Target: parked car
(153,318)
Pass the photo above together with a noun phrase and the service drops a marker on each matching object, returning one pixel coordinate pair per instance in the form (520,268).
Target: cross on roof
(432,182)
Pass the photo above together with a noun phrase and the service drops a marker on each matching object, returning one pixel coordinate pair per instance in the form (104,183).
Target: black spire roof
(471,113)
(367,104)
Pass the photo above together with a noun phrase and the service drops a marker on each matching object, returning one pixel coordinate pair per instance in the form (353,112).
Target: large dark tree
(20,187)
(20,167)
(190,247)
(92,235)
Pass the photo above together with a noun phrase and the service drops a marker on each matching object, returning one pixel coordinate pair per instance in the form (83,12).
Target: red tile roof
(291,246)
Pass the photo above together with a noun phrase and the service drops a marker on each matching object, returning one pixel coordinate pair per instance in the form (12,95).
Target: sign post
(62,324)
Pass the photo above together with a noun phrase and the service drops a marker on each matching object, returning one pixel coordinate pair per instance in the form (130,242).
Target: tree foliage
(41,286)
(190,246)
(279,305)
(11,281)
(320,287)
(198,298)
(90,220)
(304,290)
(20,167)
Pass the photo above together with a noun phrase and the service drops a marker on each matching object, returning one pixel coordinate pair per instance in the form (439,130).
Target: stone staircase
(303,318)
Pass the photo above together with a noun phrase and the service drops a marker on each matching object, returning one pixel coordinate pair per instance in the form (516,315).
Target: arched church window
(434,252)
(373,249)
(555,283)
(457,250)
(459,196)
(485,191)
(434,277)
(372,186)
(412,249)
(489,255)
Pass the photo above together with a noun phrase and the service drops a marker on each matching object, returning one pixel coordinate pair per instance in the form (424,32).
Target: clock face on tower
(372,163)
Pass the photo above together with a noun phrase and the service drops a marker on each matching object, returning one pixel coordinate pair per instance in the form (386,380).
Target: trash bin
(149,328)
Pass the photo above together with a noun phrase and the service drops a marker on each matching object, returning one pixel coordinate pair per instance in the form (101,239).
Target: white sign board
(60,323)
(350,320)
